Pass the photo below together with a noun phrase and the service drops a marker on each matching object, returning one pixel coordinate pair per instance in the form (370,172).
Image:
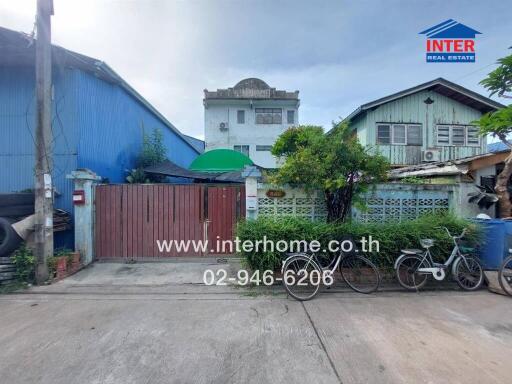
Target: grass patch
(12,287)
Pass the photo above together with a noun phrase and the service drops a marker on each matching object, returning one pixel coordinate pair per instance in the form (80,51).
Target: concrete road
(100,327)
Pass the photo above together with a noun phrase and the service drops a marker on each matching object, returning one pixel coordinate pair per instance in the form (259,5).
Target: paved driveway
(99,328)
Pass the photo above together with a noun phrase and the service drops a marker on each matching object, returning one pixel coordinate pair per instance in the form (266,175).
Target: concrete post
(251,174)
(84,180)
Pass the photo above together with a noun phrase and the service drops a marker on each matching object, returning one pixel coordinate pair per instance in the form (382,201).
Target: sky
(338,54)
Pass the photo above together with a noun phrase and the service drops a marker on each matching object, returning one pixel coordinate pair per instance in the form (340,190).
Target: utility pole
(43,235)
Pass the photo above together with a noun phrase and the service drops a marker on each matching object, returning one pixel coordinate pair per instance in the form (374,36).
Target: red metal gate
(130,219)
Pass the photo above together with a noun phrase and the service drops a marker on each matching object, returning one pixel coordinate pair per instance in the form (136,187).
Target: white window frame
(392,133)
(438,126)
(292,111)
(263,148)
(266,111)
(240,113)
(421,134)
(240,146)
(477,136)
(450,135)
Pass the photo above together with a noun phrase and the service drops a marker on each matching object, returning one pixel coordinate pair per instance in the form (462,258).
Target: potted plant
(73,261)
(61,262)
(52,267)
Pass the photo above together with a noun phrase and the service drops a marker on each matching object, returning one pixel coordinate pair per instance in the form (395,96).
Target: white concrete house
(248,118)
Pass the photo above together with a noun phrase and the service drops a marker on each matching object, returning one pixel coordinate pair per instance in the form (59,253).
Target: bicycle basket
(426,243)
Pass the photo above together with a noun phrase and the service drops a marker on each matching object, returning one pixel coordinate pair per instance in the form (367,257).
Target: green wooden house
(426,123)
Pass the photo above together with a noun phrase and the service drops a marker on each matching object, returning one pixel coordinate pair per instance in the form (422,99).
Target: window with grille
(458,135)
(269,116)
(414,136)
(383,134)
(399,134)
(240,117)
(290,117)
(261,148)
(443,135)
(472,136)
(242,148)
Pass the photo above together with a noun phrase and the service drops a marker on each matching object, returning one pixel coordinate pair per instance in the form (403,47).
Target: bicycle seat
(426,243)
(411,251)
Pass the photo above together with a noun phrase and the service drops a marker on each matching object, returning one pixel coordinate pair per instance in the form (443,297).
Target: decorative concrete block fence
(385,202)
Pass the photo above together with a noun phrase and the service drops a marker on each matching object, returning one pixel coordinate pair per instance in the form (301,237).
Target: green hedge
(392,236)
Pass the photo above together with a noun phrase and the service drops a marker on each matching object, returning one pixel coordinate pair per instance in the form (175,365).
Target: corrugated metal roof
(496,147)
(168,168)
(451,167)
(19,49)
(442,86)
(197,143)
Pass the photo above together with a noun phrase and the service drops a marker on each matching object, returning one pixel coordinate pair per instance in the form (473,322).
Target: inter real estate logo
(450,42)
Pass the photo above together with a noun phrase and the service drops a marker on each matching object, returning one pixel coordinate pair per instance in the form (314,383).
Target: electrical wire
(475,71)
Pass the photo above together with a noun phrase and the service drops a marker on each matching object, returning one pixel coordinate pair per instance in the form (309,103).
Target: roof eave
(439,81)
(449,170)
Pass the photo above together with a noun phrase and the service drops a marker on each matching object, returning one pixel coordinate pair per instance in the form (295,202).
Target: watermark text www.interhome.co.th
(367,244)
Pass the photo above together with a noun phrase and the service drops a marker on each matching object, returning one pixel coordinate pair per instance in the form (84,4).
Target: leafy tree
(499,81)
(153,152)
(499,124)
(335,163)
(153,149)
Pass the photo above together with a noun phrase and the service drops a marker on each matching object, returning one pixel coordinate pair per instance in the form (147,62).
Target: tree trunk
(338,203)
(501,188)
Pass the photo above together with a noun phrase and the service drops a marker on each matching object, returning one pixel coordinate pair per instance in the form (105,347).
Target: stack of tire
(9,242)
(13,206)
(9,239)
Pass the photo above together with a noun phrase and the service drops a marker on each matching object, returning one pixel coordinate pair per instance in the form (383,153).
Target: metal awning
(168,168)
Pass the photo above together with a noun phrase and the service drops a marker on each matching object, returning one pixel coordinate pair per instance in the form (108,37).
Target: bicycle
(303,273)
(414,266)
(505,274)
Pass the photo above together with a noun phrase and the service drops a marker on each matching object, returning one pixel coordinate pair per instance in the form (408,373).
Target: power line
(475,71)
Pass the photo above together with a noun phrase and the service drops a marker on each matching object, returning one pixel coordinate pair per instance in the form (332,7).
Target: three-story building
(249,117)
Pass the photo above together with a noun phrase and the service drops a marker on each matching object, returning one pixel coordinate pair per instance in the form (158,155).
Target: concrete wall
(296,202)
(249,133)
(384,202)
(412,109)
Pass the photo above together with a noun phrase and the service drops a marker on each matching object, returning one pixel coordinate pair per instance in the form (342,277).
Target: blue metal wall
(111,124)
(96,125)
(17,133)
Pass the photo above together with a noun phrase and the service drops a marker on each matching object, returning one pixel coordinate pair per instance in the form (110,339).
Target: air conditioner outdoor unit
(223,126)
(431,155)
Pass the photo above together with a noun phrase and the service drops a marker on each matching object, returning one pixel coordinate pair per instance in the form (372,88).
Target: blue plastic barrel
(497,235)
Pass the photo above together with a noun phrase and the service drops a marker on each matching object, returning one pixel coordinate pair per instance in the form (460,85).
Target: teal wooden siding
(412,109)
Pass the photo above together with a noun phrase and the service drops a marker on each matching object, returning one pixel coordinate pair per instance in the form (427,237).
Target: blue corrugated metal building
(197,143)
(98,121)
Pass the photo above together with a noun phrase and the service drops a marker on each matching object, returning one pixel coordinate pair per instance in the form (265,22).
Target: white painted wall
(249,133)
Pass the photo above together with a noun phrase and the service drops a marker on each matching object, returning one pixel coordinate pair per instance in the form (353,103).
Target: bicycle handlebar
(464,231)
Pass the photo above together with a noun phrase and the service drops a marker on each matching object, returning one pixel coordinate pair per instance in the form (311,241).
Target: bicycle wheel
(408,275)
(360,274)
(505,275)
(468,273)
(302,277)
